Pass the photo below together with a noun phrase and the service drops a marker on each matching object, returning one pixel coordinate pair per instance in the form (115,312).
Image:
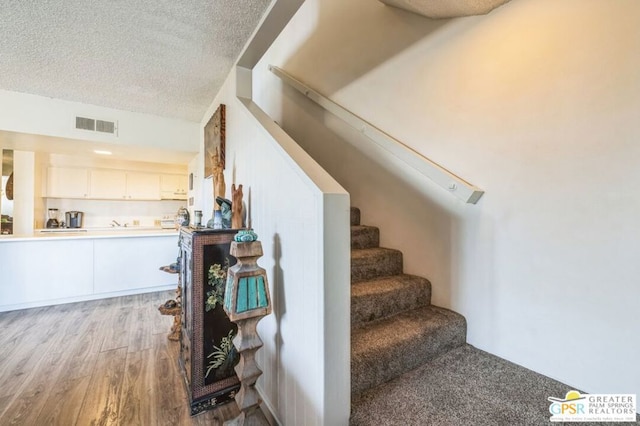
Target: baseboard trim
(84,298)
(267,409)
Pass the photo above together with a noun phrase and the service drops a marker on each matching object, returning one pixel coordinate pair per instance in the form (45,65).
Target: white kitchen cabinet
(122,185)
(132,263)
(108,184)
(67,182)
(49,270)
(143,186)
(173,187)
(38,271)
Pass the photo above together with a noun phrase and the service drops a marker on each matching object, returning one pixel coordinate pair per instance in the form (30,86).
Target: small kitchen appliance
(52,222)
(182,217)
(197,221)
(73,219)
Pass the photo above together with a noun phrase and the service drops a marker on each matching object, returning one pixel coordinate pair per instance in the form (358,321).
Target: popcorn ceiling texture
(161,57)
(446,8)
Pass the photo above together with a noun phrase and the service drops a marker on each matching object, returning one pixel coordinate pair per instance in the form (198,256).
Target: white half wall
(301,216)
(536,103)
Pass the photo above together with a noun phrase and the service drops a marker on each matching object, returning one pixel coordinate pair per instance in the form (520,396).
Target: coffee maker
(52,222)
(73,219)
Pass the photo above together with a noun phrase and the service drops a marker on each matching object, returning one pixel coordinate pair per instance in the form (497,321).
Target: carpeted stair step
(367,264)
(465,386)
(387,296)
(364,237)
(355,216)
(385,349)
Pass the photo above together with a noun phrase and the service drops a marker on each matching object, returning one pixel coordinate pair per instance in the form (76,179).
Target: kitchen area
(83,227)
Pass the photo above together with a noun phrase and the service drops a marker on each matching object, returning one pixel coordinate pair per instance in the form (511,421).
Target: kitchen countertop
(90,233)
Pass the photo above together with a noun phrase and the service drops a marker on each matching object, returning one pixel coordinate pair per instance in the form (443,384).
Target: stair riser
(362,238)
(373,369)
(370,307)
(355,216)
(376,266)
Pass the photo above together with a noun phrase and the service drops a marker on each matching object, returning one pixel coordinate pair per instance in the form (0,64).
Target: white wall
(23,192)
(286,204)
(39,115)
(6,205)
(536,103)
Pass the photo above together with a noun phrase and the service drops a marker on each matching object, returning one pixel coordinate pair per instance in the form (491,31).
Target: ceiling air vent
(85,123)
(105,126)
(94,125)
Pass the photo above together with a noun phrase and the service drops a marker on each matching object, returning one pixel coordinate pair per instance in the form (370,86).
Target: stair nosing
(391,318)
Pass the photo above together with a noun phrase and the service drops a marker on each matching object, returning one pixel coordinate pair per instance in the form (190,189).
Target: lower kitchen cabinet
(39,271)
(207,354)
(132,263)
(45,271)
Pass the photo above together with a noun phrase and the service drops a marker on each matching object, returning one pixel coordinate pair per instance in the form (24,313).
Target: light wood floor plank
(30,399)
(64,402)
(137,405)
(140,335)
(101,403)
(118,329)
(27,359)
(103,362)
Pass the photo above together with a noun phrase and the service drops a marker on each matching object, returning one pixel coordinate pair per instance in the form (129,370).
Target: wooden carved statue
(236,206)
(219,188)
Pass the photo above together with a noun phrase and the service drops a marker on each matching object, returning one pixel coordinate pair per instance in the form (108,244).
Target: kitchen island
(48,268)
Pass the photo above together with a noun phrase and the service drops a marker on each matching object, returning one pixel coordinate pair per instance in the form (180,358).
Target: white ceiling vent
(95,125)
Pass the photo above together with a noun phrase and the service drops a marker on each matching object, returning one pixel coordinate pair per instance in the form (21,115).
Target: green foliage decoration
(217,278)
(223,356)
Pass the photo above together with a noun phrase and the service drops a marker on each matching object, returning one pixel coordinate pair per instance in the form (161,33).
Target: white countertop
(88,233)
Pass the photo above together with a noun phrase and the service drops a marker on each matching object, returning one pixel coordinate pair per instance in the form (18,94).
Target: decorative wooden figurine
(219,187)
(174,307)
(236,206)
(247,301)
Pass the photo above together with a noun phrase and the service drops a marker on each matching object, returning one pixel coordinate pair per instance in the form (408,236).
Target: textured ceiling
(161,57)
(446,8)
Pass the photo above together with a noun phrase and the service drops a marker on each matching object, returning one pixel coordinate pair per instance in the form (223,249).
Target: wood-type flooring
(103,362)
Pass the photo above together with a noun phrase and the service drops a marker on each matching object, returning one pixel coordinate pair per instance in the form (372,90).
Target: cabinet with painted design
(207,354)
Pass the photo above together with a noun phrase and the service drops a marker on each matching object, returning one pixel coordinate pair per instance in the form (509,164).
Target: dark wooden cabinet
(207,355)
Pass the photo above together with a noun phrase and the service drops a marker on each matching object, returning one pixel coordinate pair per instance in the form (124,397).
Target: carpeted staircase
(410,364)
(394,327)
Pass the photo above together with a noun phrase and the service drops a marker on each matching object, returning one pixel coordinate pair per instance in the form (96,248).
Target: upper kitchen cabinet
(173,187)
(67,182)
(108,184)
(143,186)
(121,185)
(113,184)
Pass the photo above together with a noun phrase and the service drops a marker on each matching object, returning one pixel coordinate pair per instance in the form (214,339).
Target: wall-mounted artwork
(214,141)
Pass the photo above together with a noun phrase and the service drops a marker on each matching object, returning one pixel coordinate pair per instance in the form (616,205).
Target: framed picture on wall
(214,141)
